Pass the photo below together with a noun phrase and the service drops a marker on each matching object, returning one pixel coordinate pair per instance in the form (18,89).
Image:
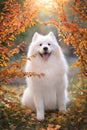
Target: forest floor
(13,116)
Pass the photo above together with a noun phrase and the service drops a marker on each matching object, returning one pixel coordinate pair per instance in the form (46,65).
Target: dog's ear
(51,34)
(35,36)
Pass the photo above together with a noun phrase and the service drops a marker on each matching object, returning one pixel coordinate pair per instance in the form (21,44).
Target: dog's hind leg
(27,99)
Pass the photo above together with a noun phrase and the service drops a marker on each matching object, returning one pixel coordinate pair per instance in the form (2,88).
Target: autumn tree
(71,24)
(15,17)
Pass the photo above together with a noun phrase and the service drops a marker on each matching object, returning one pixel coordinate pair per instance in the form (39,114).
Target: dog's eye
(49,44)
(40,44)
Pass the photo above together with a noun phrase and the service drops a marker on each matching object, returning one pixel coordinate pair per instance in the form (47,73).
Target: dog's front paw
(40,117)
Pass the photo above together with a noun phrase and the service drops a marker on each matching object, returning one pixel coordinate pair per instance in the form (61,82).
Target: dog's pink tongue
(45,56)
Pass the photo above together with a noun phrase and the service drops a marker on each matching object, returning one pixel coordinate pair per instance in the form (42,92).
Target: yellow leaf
(78,104)
(4,64)
(12,37)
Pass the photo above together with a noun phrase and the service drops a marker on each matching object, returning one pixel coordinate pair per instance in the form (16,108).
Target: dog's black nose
(45,48)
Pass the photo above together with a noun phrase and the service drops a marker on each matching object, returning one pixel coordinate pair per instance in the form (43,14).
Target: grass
(13,116)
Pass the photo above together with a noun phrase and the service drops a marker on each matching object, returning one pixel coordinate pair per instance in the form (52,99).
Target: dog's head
(43,45)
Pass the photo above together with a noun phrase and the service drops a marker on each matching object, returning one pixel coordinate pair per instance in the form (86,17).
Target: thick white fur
(50,91)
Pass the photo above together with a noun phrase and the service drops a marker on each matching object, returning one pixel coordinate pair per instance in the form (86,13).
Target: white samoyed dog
(50,91)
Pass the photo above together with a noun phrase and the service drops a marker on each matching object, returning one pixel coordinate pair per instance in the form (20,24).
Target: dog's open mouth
(45,55)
